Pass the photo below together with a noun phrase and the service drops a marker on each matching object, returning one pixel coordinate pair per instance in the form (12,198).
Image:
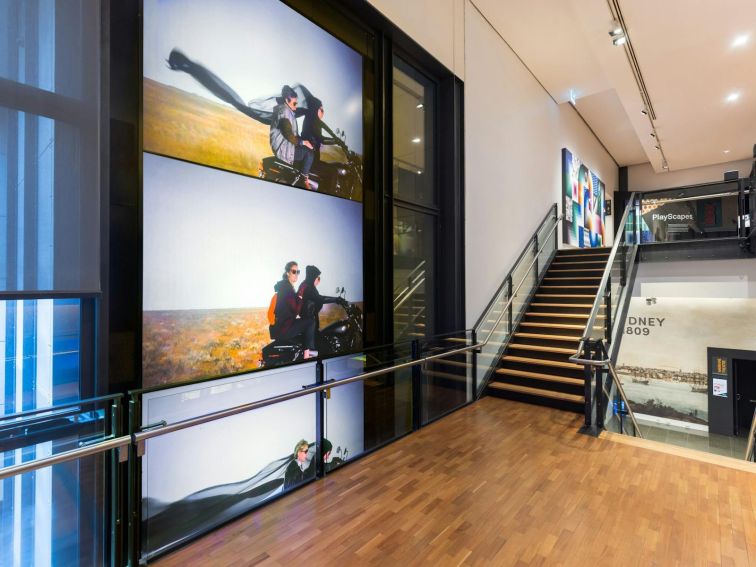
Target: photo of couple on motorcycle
(294,318)
(296,158)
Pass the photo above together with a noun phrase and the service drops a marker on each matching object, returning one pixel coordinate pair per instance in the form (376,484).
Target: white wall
(643,177)
(514,134)
(437,25)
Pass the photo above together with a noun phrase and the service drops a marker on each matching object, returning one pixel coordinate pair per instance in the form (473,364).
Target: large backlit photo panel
(216,243)
(217,80)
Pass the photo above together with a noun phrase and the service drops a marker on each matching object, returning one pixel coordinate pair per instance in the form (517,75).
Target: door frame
(722,409)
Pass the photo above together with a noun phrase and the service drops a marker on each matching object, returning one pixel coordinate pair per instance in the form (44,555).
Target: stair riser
(552,309)
(541,384)
(543,342)
(543,369)
(557,320)
(539,354)
(550,330)
(551,299)
(573,272)
(565,263)
(548,402)
(583,252)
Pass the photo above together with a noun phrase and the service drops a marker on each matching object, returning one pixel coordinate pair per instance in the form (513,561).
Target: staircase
(535,366)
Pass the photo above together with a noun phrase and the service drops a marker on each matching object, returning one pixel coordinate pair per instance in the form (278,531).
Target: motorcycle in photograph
(338,178)
(342,336)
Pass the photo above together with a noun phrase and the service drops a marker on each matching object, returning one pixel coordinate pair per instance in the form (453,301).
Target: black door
(745,394)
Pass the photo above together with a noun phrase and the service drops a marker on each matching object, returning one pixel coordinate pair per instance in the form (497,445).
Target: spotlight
(657,147)
(725,151)
(739,40)
(653,135)
(617,34)
(732,97)
(416,140)
(420,105)
(644,112)
(665,165)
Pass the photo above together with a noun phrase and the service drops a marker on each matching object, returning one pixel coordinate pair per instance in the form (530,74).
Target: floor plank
(501,483)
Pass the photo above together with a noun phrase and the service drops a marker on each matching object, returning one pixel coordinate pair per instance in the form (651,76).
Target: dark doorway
(745,394)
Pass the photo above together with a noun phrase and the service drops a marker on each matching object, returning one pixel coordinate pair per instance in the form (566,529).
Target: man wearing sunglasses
(288,306)
(285,140)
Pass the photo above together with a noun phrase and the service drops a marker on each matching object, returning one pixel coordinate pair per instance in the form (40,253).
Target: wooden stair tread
(553,270)
(537,392)
(551,295)
(547,278)
(571,305)
(552,325)
(560,350)
(540,376)
(541,362)
(570,287)
(558,262)
(573,338)
(562,315)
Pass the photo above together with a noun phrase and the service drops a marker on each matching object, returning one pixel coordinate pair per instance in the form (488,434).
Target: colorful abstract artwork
(584,195)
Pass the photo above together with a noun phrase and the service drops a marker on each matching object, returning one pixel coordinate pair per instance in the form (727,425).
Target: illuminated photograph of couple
(299,79)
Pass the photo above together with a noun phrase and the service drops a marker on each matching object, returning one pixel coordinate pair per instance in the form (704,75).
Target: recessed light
(619,40)
(416,140)
(732,97)
(420,105)
(740,40)
(419,171)
(657,147)
(725,151)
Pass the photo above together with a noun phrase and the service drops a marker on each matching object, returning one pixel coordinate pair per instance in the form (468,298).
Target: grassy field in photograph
(188,344)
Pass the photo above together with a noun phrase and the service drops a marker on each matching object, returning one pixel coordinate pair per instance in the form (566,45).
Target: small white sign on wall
(720,387)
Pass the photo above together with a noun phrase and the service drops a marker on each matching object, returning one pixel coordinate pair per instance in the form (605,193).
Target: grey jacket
(282,147)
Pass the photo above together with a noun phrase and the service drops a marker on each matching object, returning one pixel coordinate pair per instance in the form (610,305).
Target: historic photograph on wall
(253,87)
(241,274)
(662,359)
(583,206)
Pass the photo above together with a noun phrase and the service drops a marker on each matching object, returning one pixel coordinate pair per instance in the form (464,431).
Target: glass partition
(496,325)
(690,213)
(447,383)
(57,515)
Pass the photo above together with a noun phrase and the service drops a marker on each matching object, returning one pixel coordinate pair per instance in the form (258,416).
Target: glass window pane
(413,133)
(40,341)
(414,244)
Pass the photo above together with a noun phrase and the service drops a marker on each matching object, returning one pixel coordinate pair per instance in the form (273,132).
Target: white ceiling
(684,52)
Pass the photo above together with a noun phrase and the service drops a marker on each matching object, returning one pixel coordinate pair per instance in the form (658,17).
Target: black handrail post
(599,389)
(608,311)
(511,306)
(587,386)
(320,398)
(474,361)
(417,385)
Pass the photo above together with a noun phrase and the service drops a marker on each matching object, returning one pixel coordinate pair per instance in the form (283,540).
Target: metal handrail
(410,278)
(551,214)
(66,456)
(621,391)
(409,294)
(27,413)
(575,358)
(140,437)
(751,438)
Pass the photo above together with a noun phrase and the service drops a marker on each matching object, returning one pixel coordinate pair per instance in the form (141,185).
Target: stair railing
(527,273)
(750,455)
(605,401)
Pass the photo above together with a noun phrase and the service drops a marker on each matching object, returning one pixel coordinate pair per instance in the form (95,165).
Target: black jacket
(312,302)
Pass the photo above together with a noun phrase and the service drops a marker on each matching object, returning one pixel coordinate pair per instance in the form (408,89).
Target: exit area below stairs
(535,367)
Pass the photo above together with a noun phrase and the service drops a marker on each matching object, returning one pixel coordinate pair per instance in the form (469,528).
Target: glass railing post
(474,362)
(115,493)
(417,388)
(133,493)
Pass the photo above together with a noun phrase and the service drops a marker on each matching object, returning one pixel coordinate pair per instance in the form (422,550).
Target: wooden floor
(501,483)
